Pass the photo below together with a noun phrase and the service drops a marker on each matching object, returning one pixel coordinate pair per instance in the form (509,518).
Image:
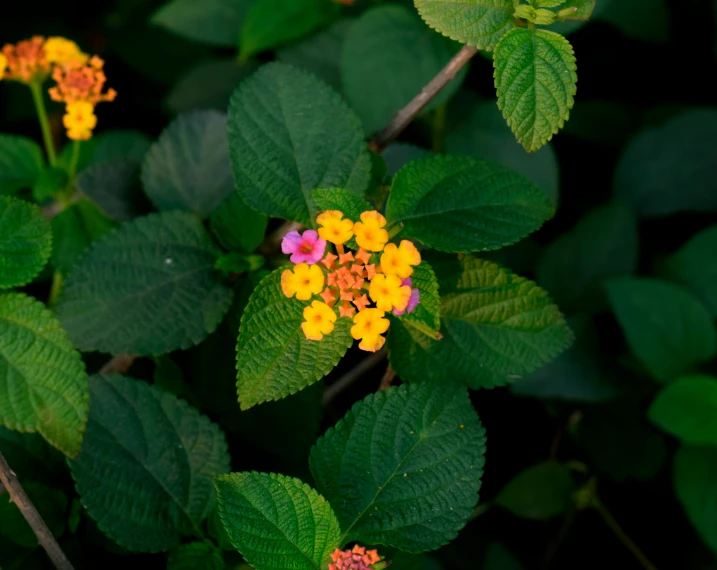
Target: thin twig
(626,540)
(33,518)
(352,375)
(388,377)
(404,117)
(119,364)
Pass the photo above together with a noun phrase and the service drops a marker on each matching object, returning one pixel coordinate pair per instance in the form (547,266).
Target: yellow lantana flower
(62,50)
(399,260)
(304,282)
(369,325)
(388,293)
(79,120)
(334,228)
(369,232)
(3,65)
(319,320)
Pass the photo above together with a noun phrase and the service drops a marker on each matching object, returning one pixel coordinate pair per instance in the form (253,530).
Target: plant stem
(352,375)
(57,282)
(388,377)
(73,166)
(119,364)
(36,89)
(479,510)
(33,518)
(439,128)
(620,534)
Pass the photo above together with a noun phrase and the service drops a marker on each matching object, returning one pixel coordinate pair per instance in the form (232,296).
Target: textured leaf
(114,187)
(270,23)
(274,358)
(694,266)
(188,167)
(464,204)
(602,245)
(496,326)
(277,522)
(399,154)
(428,310)
(403,467)
(195,556)
(388,56)
(480,23)
(666,327)
(540,492)
(236,226)
(212,22)
(147,464)
(289,134)
(584,8)
(338,199)
(25,242)
(695,479)
(42,377)
(536,82)
(116,145)
(669,169)
(147,288)
(687,408)
(21,162)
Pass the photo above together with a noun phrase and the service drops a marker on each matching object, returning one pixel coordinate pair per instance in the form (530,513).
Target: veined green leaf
(42,377)
(428,310)
(147,464)
(237,226)
(536,82)
(695,477)
(25,242)
(212,22)
(195,556)
(480,23)
(147,288)
(21,163)
(114,187)
(542,491)
(289,134)
(403,468)
(277,522)
(497,327)
(350,204)
(274,357)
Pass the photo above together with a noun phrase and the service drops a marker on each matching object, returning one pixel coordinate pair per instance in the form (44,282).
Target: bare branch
(119,364)
(388,377)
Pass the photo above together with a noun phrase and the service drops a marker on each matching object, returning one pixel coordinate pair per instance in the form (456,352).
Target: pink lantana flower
(412,301)
(304,248)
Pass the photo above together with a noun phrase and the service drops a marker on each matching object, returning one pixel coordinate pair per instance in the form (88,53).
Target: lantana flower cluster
(364,284)
(358,558)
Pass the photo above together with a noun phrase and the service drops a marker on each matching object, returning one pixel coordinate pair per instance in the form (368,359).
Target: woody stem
(36,89)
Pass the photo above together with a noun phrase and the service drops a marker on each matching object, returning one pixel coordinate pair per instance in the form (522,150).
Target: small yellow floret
(79,120)
(319,320)
(304,282)
(369,232)
(62,50)
(388,293)
(369,325)
(3,65)
(334,228)
(399,260)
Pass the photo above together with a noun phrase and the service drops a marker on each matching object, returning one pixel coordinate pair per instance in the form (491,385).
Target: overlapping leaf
(195,556)
(114,187)
(236,226)
(695,477)
(213,22)
(21,163)
(542,491)
(351,205)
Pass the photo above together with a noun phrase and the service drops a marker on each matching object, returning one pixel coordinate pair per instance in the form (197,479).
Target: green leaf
(50,181)
(25,242)
(428,310)
(584,9)
(669,169)
(388,56)
(497,327)
(195,556)
(480,23)
(277,522)
(116,145)
(147,288)
(147,464)
(536,81)
(21,162)
(51,505)
(694,267)
(274,357)
(114,187)
(289,134)
(666,327)
(687,408)
(461,204)
(399,154)
(31,457)
(188,168)
(540,492)
(236,226)
(350,204)
(403,468)
(695,476)
(42,377)
(602,245)
(212,22)
(270,23)
(644,20)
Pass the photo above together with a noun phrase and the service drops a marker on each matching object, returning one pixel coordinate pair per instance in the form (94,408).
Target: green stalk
(73,165)
(36,89)
(57,282)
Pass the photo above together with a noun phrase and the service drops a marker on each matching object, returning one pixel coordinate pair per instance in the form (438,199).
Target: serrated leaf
(188,168)
(271,23)
(114,187)
(274,357)
(461,204)
(667,328)
(212,22)
(480,23)
(236,226)
(399,154)
(147,288)
(428,310)
(694,267)
(42,376)
(289,134)
(496,326)
(350,204)
(695,476)
(584,9)
(388,56)
(195,556)
(277,522)
(542,491)
(687,409)
(25,242)
(536,81)
(21,162)
(403,468)
(147,464)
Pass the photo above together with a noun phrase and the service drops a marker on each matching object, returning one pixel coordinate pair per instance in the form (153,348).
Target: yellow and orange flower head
(400,260)
(334,228)
(62,50)
(79,120)
(304,282)
(319,320)
(370,232)
(81,81)
(3,65)
(369,325)
(388,292)
(26,61)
